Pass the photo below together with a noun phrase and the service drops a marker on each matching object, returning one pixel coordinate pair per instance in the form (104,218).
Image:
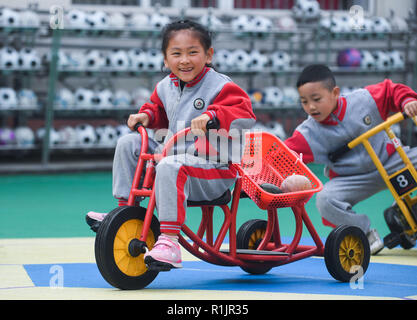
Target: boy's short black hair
(317,73)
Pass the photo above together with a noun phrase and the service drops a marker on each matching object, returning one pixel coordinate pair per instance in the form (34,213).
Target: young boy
(335,120)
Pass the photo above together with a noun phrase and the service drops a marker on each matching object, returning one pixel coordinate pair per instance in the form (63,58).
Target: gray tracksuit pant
(340,194)
(178,178)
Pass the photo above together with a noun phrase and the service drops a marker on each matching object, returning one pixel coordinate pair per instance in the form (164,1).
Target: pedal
(158,266)
(392,240)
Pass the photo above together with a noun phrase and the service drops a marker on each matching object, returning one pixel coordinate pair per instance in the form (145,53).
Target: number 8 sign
(403,182)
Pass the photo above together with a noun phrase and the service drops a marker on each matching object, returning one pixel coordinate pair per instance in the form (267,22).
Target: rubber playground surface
(47,251)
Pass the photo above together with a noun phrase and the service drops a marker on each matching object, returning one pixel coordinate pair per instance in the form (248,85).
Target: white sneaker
(375,241)
(94,219)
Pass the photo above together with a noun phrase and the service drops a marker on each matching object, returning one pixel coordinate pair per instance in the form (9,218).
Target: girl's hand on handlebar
(198,125)
(411,109)
(143,118)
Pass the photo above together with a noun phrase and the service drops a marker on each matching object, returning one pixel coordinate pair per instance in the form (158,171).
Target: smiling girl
(191,95)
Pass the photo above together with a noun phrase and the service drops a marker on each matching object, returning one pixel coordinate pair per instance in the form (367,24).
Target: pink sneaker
(165,255)
(94,219)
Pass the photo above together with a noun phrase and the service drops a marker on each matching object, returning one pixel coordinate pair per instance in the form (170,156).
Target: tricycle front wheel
(346,252)
(117,250)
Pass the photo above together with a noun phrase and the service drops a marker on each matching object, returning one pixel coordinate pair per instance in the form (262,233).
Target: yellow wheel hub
(255,237)
(128,231)
(351,252)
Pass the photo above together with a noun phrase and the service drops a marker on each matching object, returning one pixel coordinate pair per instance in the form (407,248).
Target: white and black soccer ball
(116,20)
(84,98)
(64,99)
(260,26)
(27,99)
(106,136)
(9,58)
(29,59)
(158,20)
(382,60)
(25,136)
(240,60)
(138,21)
(399,24)
(75,60)
(258,61)
(277,129)
(381,25)
(95,60)
(103,99)
(29,19)
(273,96)
(397,60)
(241,25)
(118,59)
(306,9)
(9,18)
(76,19)
(155,60)
(86,135)
(367,60)
(63,61)
(286,23)
(222,60)
(8,98)
(122,130)
(140,96)
(122,99)
(291,97)
(98,20)
(138,59)
(68,136)
(211,22)
(281,61)
(54,137)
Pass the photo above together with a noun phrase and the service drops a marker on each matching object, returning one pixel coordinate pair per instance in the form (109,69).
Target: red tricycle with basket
(127,232)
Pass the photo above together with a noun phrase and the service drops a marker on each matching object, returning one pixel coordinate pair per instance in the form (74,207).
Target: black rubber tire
(104,248)
(333,252)
(245,235)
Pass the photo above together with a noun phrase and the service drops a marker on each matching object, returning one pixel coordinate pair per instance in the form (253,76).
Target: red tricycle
(128,231)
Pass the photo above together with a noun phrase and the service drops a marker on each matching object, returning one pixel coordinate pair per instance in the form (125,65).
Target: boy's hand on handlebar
(411,109)
(198,125)
(143,118)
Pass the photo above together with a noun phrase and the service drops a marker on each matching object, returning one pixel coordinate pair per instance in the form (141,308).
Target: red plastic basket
(267,159)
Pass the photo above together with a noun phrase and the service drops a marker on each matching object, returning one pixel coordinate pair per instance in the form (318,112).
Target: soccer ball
(241,25)
(367,60)
(118,59)
(64,99)
(140,96)
(116,20)
(273,96)
(86,135)
(349,58)
(103,99)
(258,61)
(138,21)
(138,58)
(382,60)
(25,137)
(155,60)
(222,60)
(381,25)
(68,136)
(54,138)
(399,24)
(97,20)
(7,136)
(260,26)
(158,21)
(106,136)
(29,59)
(286,23)
(295,183)
(8,98)
(77,19)
(94,60)
(397,60)
(27,99)
(211,22)
(9,18)
(240,60)
(281,61)
(84,98)
(276,129)
(291,96)
(306,9)
(9,58)
(256,97)
(122,99)
(30,19)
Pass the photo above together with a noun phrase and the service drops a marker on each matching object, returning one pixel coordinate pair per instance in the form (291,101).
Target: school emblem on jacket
(199,103)
(367,120)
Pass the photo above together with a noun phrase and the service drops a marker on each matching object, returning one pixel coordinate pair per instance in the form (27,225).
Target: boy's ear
(336,91)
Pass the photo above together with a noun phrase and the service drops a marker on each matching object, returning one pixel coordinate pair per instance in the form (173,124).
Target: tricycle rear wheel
(346,252)
(116,248)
